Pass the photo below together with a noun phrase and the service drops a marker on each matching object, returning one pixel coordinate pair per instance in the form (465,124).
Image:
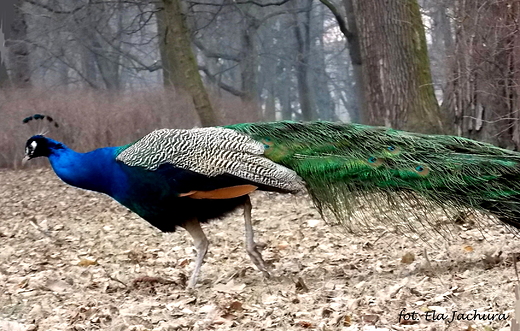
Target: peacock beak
(25,159)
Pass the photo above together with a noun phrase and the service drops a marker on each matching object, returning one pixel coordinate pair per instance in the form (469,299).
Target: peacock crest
(40,124)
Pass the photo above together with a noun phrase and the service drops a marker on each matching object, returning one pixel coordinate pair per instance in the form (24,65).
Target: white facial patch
(33,145)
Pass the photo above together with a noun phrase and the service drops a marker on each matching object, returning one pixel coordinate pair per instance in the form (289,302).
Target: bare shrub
(90,119)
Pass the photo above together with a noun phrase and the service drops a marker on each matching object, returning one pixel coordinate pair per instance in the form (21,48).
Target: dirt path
(69,258)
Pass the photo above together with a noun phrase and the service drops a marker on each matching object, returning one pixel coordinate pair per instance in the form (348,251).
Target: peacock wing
(210,152)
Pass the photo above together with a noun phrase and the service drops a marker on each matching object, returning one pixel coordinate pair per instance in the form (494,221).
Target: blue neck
(94,170)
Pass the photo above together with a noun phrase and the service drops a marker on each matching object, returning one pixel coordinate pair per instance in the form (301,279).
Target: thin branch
(59,58)
(233,3)
(54,10)
(212,54)
(57,11)
(151,68)
(221,84)
(339,18)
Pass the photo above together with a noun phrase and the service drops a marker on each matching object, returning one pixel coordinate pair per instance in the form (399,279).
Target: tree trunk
(268,81)
(108,65)
(283,89)
(18,66)
(270,106)
(359,113)
(88,62)
(179,61)
(483,92)
(396,73)
(302,65)
(4,77)
(325,106)
(440,53)
(167,56)
(108,61)
(249,64)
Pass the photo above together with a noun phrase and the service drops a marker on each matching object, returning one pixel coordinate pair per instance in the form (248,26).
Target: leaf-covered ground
(75,260)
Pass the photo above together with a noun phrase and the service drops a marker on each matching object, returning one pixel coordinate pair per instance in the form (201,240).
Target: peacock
(184,177)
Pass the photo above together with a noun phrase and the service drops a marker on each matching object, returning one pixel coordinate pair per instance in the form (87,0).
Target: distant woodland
(436,66)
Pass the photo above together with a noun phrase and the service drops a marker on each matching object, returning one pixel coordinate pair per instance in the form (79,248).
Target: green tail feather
(345,165)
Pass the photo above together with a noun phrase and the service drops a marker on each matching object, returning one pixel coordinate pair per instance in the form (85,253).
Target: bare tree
(182,69)
(483,94)
(275,55)
(301,27)
(320,78)
(18,65)
(437,14)
(397,83)
(93,43)
(260,51)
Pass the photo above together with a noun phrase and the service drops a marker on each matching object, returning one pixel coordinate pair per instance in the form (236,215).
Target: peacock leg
(251,246)
(201,244)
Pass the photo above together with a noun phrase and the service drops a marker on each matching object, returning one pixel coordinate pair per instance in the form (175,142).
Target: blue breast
(154,195)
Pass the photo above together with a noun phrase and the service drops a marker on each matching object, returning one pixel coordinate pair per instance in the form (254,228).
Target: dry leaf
(57,285)
(222,321)
(347,320)
(370,318)
(313,223)
(468,248)
(12,326)
(230,287)
(87,262)
(23,283)
(184,262)
(300,285)
(408,258)
(228,316)
(337,269)
(304,324)
(283,245)
(409,322)
(235,306)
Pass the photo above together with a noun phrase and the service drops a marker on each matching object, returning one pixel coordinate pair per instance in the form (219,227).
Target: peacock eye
(391,148)
(267,142)
(422,170)
(372,159)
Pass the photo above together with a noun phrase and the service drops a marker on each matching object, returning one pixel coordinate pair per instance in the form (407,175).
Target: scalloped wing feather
(210,152)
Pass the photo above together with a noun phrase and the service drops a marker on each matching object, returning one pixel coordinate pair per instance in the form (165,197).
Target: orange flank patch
(221,193)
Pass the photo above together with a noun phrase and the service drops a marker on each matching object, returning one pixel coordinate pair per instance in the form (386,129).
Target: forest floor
(75,260)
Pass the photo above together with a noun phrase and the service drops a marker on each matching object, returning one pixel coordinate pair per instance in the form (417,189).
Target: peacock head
(40,145)
(36,146)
